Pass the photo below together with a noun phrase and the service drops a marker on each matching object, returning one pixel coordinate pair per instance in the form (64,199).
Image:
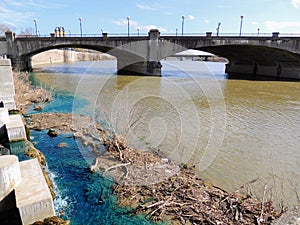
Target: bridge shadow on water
(239,76)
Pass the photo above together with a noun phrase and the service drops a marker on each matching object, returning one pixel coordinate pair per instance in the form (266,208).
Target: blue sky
(200,15)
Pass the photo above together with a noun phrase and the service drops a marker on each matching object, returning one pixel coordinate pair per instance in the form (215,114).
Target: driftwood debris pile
(183,197)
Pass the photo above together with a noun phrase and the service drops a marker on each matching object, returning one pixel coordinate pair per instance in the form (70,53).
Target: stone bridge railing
(141,54)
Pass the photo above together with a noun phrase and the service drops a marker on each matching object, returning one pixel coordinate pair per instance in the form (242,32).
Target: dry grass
(25,95)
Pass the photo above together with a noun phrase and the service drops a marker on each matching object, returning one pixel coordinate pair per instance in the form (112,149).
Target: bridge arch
(271,56)
(258,60)
(121,54)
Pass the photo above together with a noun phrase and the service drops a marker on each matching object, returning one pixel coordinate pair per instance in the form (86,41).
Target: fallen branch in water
(116,166)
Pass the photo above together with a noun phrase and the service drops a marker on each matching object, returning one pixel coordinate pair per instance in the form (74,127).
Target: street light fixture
(176,31)
(128,19)
(218,29)
(182,25)
(258,31)
(138,31)
(80,24)
(241,25)
(70,33)
(36,31)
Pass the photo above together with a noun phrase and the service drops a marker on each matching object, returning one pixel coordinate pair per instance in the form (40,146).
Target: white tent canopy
(193,53)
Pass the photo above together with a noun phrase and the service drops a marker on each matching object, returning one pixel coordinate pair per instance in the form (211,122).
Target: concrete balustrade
(24,193)
(14,125)
(10,174)
(7,89)
(4,116)
(15,128)
(33,196)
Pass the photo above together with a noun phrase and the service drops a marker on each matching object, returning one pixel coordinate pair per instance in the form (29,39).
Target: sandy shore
(151,184)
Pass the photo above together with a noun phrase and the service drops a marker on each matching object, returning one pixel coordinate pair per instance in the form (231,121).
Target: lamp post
(70,33)
(218,29)
(176,31)
(128,19)
(36,31)
(80,24)
(138,31)
(258,31)
(182,25)
(241,25)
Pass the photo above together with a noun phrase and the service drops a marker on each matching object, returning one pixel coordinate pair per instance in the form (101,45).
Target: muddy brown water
(232,131)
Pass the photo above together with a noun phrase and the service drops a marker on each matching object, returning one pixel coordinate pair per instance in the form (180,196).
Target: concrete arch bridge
(272,56)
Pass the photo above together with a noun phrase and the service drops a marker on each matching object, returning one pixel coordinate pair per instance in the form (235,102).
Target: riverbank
(25,96)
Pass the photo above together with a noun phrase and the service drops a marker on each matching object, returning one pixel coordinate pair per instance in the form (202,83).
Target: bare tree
(3,28)
(28,31)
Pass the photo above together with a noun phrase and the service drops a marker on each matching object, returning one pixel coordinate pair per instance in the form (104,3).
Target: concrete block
(7,89)
(5,62)
(18,147)
(9,101)
(10,175)
(15,128)
(4,117)
(33,196)
(6,74)
(10,105)
(6,79)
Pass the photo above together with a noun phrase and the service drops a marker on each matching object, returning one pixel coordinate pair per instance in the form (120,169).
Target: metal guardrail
(163,34)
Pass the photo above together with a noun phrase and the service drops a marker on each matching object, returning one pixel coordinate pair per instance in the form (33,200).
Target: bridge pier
(149,68)
(280,70)
(146,61)
(12,52)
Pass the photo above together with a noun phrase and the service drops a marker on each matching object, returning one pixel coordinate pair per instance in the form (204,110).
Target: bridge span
(271,56)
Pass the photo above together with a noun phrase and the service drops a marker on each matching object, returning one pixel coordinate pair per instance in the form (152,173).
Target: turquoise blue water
(80,193)
(82,197)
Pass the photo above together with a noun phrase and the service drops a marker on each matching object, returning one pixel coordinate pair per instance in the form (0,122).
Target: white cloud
(278,26)
(206,21)
(15,12)
(13,3)
(120,22)
(149,27)
(135,25)
(155,7)
(295,3)
(33,3)
(14,17)
(191,17)
(45,4)
(146,7)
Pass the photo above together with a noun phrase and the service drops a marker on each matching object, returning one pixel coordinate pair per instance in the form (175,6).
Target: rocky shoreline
(149,183)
